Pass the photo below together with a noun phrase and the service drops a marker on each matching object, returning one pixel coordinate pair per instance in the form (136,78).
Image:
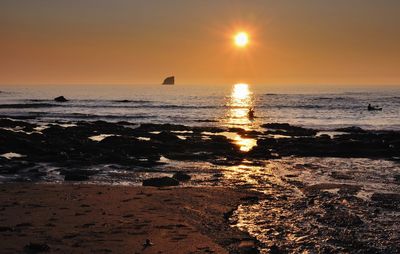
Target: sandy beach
(80,218)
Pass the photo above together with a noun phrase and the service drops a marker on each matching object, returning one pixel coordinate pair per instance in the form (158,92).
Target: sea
(225,106)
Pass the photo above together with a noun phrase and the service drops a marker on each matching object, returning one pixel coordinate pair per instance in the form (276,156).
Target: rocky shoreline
(76,145)
(324,191)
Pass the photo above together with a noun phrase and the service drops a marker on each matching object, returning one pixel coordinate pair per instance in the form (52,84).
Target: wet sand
(81,218)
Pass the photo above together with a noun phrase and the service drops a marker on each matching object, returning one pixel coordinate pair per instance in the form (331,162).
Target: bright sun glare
(241,91)
(241,39)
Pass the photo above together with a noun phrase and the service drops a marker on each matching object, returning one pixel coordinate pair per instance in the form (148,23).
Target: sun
(241,39)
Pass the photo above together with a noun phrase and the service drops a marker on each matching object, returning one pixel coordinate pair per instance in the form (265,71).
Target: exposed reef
(93,143)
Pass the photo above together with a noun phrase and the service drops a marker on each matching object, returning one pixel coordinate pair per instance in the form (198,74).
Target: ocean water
(201,105)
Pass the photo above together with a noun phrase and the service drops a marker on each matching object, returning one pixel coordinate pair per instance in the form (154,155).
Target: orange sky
(138,42)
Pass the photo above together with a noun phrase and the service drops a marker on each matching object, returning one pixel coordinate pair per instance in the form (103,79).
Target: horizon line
(210,84)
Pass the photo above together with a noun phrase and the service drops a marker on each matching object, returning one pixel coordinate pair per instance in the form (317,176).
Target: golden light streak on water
(239,103)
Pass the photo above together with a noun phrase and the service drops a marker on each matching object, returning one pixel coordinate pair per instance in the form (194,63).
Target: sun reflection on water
(240,92)
(239,103)
(245,144)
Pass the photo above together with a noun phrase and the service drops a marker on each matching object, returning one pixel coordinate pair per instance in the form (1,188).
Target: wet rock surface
(36,248)
(287,129)
(355,143)
(314,201)
(182,177)
(77,175)
(161,182)
(332,216)
(143,145)
(388,200)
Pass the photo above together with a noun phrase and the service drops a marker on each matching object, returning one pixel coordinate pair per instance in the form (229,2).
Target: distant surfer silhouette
(250,114)
(372,108)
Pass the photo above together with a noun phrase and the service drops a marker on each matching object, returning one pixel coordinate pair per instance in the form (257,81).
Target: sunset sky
(140,42)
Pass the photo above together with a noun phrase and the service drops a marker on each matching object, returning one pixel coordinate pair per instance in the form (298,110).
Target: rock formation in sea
(60,99)
(169,80)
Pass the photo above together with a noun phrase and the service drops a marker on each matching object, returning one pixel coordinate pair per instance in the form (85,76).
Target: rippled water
(202,105)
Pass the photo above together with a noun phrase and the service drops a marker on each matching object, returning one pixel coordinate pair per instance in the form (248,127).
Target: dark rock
(397,179)
(60,99)
(283,126)
(23,225)
(387,200)
(206,121)
(72,177)
(161,182)
(341,175)
(162,127)
(347,189)
(13,123)
(218,175)
(287,129)
(71,148)
(248,247)
(324,136)
(376,144)
(36,247)
(275,250)
(250,199)
(180,176)
(5,229)
(78,175)
(169,80)
(14,167)
(352,129)
(166,137)
(340,218)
